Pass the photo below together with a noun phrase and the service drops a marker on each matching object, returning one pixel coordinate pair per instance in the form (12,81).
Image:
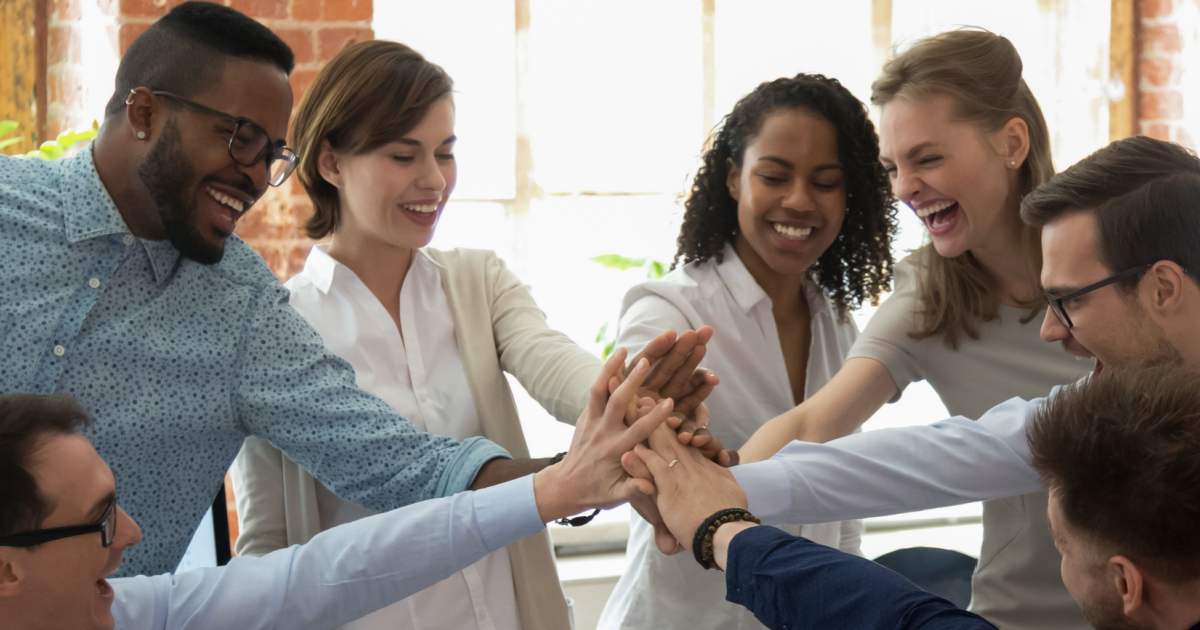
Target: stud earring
(1012,163)
(141,135)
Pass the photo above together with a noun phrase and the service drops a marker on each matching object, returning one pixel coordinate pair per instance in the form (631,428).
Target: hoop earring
(129,101)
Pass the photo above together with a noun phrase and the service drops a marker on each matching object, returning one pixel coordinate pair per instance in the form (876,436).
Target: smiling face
(960,181)
(395,194)
(60,584)
(790,193)
(1108,323)
(198,190)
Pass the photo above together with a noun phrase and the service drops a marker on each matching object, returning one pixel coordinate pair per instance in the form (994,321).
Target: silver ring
(672,464)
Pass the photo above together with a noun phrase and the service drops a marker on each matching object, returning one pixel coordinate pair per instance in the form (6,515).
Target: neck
(784,290)
(116,164)
(380,266)
(1004,256)
(1176,607)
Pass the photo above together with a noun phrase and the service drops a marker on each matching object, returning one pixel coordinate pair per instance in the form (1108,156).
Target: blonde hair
(981,71)
(370,94)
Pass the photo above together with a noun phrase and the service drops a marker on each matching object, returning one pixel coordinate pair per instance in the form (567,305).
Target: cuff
(768,491)
(745,550)
(507,512)
(473,453)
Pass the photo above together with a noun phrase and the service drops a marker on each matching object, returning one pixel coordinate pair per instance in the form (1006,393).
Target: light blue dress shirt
(177,362)
(341,574)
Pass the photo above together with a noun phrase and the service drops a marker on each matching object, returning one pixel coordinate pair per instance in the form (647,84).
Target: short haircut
(1144,194)
(1121,450)
(370,94)
(25,420)
(184,52)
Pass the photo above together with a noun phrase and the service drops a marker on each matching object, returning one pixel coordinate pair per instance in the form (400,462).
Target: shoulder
(678,292)
(243,266)
(30,182)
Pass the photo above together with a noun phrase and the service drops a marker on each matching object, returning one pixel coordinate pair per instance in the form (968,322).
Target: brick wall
(1169,68)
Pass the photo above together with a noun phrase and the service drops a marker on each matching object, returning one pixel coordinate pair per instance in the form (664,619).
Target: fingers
(645,426)
(636,485)
(686,430)
(635,466)
(657,466)
(701,438)
(598,400)
(679,378)
(670,362)
(666,444)
(657,347)
(728,459)
(623,399)
(695,392)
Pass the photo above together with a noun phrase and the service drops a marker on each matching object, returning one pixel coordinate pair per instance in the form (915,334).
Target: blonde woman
(430,332)
(962,139)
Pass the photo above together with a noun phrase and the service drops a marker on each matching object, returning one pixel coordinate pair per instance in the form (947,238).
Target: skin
(1114,593)
(159,183)
(60,584)
(791,177)
(930,157)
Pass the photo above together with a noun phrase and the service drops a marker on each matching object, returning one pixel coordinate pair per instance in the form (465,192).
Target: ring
(673,462)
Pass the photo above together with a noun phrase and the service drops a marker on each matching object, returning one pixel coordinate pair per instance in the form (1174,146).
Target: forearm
(500,470)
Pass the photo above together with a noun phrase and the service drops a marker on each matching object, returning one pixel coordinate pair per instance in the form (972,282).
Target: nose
(128,532)
(798,197)
(1052,329)
(258,174)
(431,176)
(906,186)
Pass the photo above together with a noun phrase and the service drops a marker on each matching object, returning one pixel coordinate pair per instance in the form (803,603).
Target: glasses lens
(1056,308)
(110,525)
(248,144)
(282,163)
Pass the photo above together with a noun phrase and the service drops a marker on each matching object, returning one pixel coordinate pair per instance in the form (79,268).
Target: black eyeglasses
(1056,303)
(107,526)
(249,144)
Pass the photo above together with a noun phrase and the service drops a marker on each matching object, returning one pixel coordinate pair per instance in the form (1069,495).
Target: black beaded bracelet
(577,521)
(702,544)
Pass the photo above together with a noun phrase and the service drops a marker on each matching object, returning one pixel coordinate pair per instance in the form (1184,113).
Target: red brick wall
(1166,28)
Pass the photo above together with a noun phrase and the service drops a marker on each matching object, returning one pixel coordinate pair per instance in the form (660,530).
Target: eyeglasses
(107,526)
(249,144)
(1056,303)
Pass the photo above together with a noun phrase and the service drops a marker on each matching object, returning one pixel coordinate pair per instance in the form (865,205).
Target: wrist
(724,537)
(553,496)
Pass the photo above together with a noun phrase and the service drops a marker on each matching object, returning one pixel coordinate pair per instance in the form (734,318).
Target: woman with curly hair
(787,229)
(963,140)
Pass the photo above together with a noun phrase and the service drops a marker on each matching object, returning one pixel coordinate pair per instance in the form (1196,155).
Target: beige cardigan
(499,329)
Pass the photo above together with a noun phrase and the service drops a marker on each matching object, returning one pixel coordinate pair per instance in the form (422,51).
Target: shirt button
(59,351)
(128,240)
(424,398)
(94,283)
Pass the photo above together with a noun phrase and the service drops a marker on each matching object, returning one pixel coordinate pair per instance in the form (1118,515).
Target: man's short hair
(26,420)
(1145,194)
(184,52)
(1121,451)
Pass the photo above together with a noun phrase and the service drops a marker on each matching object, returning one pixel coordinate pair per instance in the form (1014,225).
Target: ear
(733,178)
(1129,582)
(1164,283)
(327,165)
(10,580)
(1014,143)
(140,107)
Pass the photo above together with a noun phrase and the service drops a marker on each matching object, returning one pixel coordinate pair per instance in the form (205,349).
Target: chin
(950,247)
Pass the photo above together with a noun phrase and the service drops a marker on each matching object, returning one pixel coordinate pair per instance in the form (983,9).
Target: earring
(141,135)
(1012,163)
(129,101)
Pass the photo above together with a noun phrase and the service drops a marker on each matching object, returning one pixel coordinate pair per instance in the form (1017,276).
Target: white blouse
(420,374)
(659,591)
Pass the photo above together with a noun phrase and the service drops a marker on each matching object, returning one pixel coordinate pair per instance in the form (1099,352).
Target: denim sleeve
(304,400)
(792,583)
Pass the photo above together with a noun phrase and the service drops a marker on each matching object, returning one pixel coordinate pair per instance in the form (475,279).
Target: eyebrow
(920,147)
(98,509)
(416,143)
(1059,291)
(786,164)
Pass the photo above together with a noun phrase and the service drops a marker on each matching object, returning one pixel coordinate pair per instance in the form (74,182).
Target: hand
(675,374)
(691,490)
(591,474)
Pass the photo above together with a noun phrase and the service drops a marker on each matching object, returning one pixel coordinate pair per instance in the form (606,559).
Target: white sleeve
(342,574)
(646,318)
(893,471)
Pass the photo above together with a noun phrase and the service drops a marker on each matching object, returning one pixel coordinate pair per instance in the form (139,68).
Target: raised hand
(675,374)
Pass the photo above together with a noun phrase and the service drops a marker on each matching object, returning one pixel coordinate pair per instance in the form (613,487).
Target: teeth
(422,209)
(235,204)
(793,233)
(933,208)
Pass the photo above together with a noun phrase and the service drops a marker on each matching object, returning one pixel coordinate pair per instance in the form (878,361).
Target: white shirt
(659,591)
(421,375)
(341,574)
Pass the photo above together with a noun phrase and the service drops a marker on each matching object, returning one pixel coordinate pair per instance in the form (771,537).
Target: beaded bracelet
(577,521)
(702,544)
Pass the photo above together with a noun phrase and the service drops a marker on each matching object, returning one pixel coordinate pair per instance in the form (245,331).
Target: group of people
(380,469)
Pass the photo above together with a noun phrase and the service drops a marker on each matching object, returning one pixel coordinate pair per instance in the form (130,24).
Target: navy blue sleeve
(792,583)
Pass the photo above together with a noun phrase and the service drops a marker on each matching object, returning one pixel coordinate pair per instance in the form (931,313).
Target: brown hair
(370,94)
(1121,451)
(25,419)
(1143,194)
(981,71)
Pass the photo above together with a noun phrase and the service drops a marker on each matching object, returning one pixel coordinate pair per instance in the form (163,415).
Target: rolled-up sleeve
(341,574)
(302,398)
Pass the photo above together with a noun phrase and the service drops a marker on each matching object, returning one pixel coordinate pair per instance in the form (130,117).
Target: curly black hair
(858,265)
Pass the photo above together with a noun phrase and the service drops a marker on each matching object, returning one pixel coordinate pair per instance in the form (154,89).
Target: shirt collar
(163,257)
(89,210)
(747,293)
(320,267)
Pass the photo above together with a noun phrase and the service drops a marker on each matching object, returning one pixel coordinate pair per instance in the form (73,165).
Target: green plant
(655,269)
(51,149)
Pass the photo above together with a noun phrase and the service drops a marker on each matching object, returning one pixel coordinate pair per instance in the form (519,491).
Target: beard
(1108,613)
(166,174)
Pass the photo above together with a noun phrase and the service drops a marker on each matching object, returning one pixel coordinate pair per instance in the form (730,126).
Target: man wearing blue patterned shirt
(122,284)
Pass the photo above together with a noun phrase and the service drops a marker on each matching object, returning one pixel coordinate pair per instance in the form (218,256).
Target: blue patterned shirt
(177,362)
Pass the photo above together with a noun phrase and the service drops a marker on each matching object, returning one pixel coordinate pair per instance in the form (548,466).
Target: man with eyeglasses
(1120,254)
(121,283)
(62,531)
